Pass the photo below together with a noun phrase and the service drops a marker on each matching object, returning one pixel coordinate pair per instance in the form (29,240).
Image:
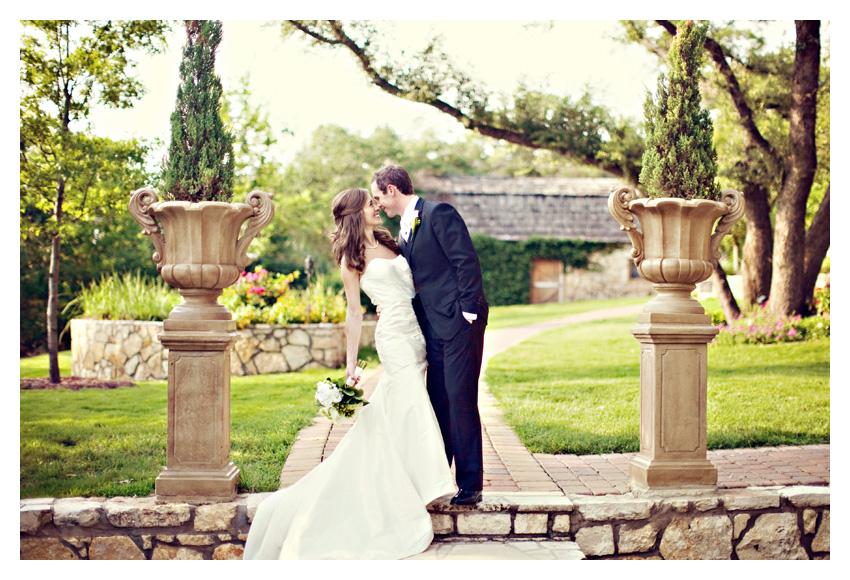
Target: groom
(452,311)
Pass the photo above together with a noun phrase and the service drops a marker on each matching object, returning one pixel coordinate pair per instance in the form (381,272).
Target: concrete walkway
(510,467)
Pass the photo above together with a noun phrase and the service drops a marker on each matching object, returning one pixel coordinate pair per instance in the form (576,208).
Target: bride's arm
(353,318)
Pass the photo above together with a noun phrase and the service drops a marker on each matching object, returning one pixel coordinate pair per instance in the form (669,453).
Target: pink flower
(792,332)
(256,290)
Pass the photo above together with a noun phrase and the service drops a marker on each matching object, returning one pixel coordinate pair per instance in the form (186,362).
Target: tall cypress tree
(680,159)
(199,165)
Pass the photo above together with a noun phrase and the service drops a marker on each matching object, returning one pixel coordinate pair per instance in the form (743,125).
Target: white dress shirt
(407,218)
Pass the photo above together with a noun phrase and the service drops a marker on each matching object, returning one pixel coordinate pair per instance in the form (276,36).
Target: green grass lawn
(97,442)
(37,366)
(576,390)
(523,314)
(571,390)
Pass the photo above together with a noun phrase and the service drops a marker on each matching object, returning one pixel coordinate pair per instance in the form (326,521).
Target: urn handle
(263,207)
(735,206)
(618,205)
(141,201)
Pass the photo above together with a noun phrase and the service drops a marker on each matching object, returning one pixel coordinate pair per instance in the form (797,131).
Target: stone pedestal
(198,467)
(673,385)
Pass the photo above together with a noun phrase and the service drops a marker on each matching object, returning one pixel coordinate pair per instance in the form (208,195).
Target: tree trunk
(756,265)
(53,291)
(817,244)
(789,250)
(727,301)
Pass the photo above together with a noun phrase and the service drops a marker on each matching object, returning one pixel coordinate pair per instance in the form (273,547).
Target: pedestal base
(645,474)
(673,402)
(199,486)
(198,466)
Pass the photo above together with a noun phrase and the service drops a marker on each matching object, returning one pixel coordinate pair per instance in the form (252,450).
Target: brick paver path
(509,466)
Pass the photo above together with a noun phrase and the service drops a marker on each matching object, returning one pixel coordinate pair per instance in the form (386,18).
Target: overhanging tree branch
(334,34)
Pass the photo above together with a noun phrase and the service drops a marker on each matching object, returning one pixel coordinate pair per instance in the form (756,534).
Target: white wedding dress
(367,500)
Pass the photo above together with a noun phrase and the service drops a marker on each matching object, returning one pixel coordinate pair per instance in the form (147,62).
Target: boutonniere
(416,221)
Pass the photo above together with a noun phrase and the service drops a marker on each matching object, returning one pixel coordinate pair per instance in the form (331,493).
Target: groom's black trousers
(453,369)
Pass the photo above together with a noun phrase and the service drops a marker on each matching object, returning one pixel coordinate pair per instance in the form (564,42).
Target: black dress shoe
(466,497)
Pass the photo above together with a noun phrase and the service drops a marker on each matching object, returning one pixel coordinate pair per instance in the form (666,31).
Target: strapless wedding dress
(367,500)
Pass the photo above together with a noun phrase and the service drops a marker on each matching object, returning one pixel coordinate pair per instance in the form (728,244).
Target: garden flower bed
(280,329)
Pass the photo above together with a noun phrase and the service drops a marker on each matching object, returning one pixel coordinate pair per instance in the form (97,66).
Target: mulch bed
(73,383)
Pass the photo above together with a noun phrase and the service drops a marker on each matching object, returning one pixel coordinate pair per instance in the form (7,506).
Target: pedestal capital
(198,335)
(663,332)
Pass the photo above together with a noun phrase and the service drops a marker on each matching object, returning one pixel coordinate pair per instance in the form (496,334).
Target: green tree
(199,164)
(788,257)
(253,140)
(335,159)
(773,144)
(68,176)
(680,160)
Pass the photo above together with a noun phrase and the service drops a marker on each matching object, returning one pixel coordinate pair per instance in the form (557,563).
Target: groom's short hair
(393,175)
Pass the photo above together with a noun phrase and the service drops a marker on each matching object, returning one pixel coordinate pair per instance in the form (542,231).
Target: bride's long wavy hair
(348,237)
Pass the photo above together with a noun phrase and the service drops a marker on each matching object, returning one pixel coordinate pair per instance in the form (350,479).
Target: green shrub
(680,159)
(130,296)
(199,165)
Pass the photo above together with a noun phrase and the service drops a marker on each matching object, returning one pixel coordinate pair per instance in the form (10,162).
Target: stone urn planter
(675,249)
(198,249)
(199,252)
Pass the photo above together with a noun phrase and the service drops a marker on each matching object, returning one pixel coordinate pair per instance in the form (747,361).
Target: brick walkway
(509,466)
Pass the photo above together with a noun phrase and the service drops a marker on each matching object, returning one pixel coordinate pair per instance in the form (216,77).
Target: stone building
(515,208)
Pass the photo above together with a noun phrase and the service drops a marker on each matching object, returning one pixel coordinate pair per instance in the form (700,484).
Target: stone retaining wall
(130,350)
(755,523)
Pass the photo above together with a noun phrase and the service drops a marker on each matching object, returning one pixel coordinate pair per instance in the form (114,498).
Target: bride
(367,500)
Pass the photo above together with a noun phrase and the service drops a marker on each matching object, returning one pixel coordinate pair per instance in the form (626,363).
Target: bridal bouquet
(341,400)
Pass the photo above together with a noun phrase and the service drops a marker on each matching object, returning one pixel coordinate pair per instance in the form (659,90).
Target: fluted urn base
(676,251)
(200,257)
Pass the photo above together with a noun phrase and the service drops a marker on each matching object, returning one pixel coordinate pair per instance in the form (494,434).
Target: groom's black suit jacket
(445,269)
(448,279)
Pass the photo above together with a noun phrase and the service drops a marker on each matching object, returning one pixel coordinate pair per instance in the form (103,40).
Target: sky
(302,88)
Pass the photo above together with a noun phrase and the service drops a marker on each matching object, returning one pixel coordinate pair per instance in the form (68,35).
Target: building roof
(515,208)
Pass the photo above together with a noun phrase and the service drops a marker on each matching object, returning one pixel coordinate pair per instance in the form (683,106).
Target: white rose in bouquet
(327,393)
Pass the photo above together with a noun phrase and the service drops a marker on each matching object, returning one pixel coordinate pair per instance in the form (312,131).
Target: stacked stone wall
(779,523)
(130,350)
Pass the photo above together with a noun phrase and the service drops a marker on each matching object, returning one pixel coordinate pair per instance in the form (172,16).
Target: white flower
(327,393)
